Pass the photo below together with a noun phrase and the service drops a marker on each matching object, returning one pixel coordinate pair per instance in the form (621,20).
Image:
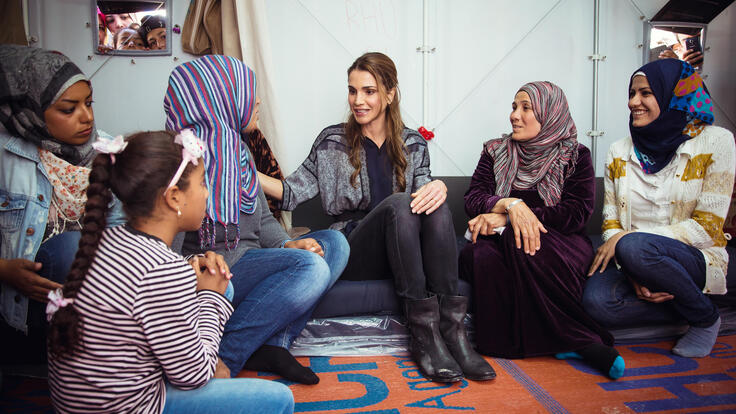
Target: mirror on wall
(674,39)
(132,27)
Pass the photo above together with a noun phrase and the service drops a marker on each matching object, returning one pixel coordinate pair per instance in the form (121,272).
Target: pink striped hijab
(543,160)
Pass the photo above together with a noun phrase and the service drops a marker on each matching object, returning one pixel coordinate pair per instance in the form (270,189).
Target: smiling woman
(530,197)
(642,102)
(373,175)
(668,190)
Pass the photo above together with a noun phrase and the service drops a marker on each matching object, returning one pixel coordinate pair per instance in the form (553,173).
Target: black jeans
(417,250)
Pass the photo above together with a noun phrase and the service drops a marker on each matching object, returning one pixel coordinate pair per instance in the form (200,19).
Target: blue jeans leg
(57,254)
(229,292)
(337,250)
(610,299)
(661,264)
(234,395)
(273,288)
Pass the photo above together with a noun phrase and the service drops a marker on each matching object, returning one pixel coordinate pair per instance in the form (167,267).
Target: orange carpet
(655,381)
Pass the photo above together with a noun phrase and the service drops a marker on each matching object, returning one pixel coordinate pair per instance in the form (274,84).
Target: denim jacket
(25,198)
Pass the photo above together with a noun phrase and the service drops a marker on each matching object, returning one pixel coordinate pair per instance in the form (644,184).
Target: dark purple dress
(530,305)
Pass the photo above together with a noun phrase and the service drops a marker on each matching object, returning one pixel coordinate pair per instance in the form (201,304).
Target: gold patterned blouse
(700,197)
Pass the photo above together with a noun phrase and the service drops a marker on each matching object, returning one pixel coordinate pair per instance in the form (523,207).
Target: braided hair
(138,177)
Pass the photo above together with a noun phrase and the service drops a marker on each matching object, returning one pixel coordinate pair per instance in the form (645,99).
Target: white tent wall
(484,51)
(128,91)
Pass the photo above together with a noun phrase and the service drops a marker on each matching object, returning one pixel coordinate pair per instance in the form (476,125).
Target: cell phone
(693,43)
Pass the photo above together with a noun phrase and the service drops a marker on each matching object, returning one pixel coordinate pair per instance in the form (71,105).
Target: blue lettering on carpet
(437,402)
(376,391)
(410,371)
(684,397)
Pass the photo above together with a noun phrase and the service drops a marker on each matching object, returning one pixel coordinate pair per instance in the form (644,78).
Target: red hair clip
(427,134)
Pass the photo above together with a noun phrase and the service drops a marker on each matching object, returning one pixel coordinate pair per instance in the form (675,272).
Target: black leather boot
(452,328)
(427,346)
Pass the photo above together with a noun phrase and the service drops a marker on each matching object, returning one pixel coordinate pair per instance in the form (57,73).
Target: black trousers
(418,250)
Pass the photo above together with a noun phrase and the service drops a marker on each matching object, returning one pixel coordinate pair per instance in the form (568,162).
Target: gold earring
(178,212)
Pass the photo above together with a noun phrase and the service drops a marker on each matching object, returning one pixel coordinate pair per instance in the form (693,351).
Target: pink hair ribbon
(110,146)
(56,302)
(192,151)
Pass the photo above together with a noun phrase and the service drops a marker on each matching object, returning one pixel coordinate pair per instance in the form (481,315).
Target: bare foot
(221,370)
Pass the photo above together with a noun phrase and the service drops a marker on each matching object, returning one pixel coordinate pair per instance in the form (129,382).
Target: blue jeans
(660,264)
(234,395)
(57,254)
(276,291)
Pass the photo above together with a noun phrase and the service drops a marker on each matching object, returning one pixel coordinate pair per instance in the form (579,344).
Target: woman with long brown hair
(373,176)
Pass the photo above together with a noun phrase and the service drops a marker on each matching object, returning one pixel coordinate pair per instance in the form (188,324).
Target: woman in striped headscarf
(277,281)
(530,197)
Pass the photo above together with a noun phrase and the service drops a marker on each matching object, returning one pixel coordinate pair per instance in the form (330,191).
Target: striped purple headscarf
(215,95)
(541,161)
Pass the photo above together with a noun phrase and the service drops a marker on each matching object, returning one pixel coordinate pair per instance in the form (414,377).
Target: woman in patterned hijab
(530,197)
(668,189)
(522,160)
(31,80)
(45,148)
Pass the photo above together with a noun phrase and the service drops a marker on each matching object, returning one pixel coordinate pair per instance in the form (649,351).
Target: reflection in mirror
(132,27)
(685,41)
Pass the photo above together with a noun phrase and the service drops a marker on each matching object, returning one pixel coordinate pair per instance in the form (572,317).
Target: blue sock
(602,357)
(568,355)
(617,369)
(697,342)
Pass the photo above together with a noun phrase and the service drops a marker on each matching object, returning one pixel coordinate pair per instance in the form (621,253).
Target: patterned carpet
(655,381)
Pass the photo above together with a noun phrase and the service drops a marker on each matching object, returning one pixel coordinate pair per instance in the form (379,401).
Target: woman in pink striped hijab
(530,197)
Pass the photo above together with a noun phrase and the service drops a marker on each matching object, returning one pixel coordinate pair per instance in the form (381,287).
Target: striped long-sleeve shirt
(142,320)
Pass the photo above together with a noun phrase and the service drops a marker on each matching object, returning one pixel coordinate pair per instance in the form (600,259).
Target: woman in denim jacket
(45,146)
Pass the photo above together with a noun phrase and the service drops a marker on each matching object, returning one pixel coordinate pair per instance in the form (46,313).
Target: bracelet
(513,203)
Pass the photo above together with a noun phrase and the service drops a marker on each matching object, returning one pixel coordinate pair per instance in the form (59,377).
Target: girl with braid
(136,328)
(530,197)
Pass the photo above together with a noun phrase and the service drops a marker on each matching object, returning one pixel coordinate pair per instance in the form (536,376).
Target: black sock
(279,361)
(603,358)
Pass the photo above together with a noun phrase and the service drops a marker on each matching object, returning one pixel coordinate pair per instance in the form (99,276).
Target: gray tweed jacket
(327,170)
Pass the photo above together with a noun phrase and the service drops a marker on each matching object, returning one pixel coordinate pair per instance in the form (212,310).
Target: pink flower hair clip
(56,302)
(192,150)
(110,146)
